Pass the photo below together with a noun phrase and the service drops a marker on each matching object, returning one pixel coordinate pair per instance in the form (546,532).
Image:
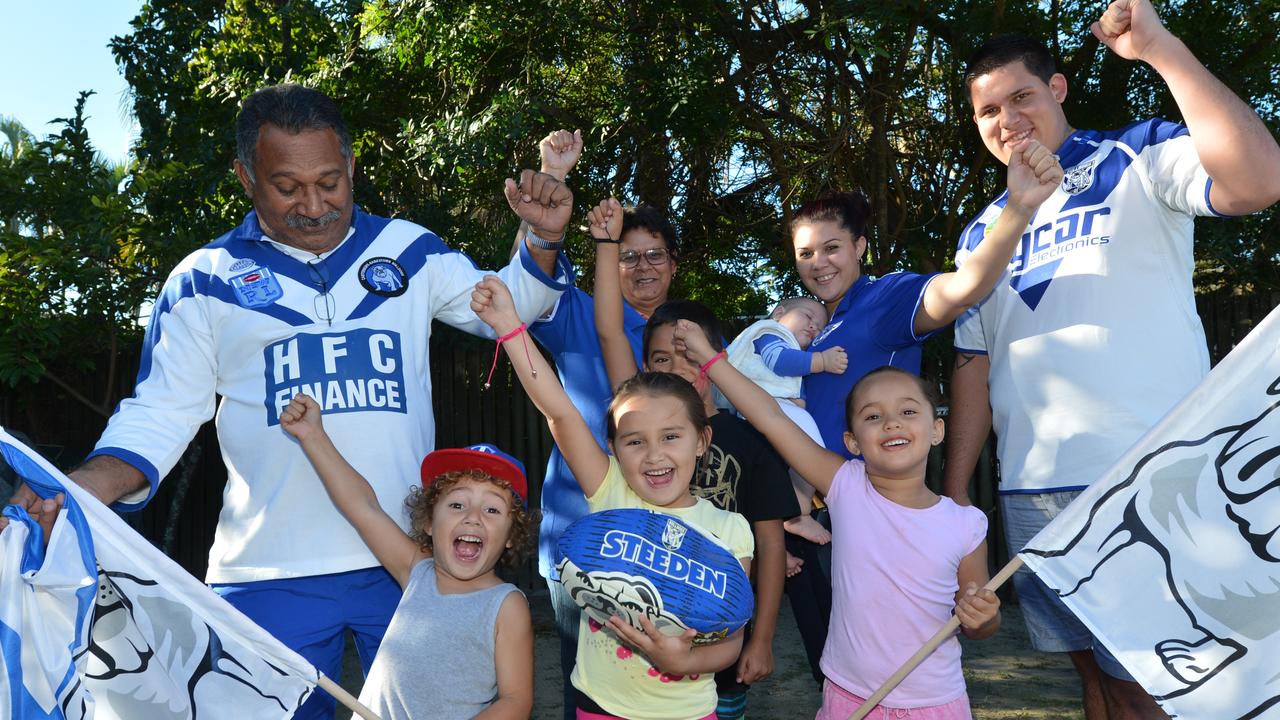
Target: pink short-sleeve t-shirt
(894,585)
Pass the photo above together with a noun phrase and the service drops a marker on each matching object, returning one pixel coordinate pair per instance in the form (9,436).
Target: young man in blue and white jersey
(1093,334)
(309,294)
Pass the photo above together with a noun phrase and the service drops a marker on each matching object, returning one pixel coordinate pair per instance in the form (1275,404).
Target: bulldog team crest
(673,535)
(384,276)
(1078,179)
(256,288)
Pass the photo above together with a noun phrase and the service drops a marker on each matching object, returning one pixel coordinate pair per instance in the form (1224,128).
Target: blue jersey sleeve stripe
(143,466)
(920,301)
(1143,134)
(1208,202)
(976,230)
(969,351)
(189,285)
(782,359)
(971,236)
(563,269)
(184,286)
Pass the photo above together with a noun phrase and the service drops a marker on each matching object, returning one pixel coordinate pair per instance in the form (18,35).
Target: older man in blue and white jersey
(309,294)
(1093,334)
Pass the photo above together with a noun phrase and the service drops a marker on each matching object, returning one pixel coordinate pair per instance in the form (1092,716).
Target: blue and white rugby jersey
(243,319)
(1092,333)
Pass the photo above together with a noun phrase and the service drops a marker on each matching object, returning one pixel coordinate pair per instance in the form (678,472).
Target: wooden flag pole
(938,638)
(345,698)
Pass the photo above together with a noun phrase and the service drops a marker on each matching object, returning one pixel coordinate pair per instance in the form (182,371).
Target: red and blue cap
(483,457)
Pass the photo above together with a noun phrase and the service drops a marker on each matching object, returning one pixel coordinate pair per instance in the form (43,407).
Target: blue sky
(53,49)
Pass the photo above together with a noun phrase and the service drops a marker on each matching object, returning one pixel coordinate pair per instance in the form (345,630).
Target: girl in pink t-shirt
(903,558)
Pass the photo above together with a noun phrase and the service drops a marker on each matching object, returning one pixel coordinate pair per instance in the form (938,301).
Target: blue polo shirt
(875,326)
(568,333)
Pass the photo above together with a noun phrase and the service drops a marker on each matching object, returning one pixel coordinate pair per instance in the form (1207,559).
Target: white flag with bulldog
(1173,557)
(100,624)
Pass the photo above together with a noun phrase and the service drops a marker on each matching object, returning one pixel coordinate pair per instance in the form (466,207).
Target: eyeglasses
(324,304)
(654,256)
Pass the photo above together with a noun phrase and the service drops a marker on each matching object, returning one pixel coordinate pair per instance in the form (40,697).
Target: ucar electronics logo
(1041,250)
(355,371)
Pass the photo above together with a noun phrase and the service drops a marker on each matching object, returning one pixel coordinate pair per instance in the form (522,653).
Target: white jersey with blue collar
(242,319)
(1092,333)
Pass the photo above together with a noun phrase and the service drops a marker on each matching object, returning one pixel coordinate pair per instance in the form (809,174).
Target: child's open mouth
(467,547)
(659,478)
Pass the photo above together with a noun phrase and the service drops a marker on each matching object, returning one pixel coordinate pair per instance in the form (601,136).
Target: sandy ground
(1007,679)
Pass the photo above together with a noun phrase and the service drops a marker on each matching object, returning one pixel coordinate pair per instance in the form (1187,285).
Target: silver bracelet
(538,242)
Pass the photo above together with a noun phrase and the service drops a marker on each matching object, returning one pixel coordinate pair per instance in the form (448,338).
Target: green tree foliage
(71,273)
(728,114)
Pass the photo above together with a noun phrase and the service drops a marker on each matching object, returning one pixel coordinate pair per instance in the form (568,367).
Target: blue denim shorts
(1050,623)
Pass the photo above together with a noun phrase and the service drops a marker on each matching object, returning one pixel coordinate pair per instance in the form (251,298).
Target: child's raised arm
(350,492)
(559,152)
(491,302)
(604,222)
(814,462)
(1034,174)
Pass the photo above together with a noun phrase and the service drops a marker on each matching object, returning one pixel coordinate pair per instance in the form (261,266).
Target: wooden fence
(181,517)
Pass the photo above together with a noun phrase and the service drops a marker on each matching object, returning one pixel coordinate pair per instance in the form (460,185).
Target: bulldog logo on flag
(1173,558)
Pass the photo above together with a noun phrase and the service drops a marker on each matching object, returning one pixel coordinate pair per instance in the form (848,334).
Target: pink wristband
(522,327)
(702,371)
(519,329)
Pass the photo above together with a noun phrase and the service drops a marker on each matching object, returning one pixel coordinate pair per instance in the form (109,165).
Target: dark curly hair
(654,221)
(422,501)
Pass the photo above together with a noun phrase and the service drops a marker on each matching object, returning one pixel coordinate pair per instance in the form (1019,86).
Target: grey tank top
(437,658)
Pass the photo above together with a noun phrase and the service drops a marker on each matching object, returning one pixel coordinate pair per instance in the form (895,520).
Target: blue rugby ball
(637,563)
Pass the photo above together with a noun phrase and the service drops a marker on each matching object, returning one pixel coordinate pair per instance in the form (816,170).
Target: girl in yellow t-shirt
(657,429)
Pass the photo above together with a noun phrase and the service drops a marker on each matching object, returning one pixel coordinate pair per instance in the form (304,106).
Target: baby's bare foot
(809,529)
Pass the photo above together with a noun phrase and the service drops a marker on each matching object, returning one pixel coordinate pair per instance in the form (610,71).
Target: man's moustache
(302,222)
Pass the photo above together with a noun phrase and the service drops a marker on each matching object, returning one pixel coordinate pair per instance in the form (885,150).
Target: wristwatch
(539,242)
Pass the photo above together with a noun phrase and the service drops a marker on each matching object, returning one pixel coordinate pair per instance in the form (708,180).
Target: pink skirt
(839,704)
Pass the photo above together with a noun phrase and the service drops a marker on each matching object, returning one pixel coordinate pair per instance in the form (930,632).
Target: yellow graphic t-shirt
(616,677)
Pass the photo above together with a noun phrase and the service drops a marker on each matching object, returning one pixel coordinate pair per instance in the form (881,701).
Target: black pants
(809,592)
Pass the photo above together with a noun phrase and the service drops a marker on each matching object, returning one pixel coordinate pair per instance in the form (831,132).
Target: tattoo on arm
(963,359)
